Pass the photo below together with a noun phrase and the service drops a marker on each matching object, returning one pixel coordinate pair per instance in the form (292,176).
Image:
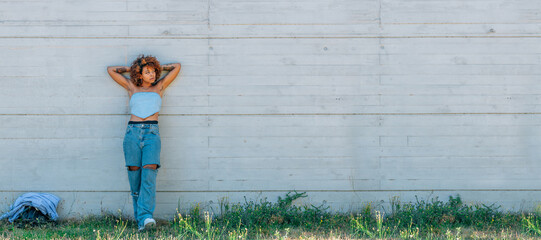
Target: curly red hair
(136,71)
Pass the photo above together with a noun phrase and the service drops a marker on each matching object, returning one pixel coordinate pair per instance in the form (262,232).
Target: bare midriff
(153,117)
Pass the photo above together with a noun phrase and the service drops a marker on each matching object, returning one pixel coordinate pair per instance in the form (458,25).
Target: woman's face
(149,75)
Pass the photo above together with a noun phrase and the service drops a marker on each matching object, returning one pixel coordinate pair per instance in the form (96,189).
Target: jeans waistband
(143,122)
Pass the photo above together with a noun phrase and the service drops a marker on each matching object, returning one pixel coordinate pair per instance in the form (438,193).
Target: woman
(142,140)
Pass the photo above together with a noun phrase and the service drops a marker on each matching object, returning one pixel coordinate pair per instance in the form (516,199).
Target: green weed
(410,232)
(531,224)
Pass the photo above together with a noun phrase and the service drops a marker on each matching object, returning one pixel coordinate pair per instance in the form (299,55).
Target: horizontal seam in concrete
(107,23)
(336,191)
(275,37)
(356,23)
(278,114)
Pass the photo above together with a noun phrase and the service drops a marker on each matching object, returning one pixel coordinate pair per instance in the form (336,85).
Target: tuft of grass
(189,227)
(454,213)
(280,214)
(531,224)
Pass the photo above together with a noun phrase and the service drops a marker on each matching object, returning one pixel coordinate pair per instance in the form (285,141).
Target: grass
(422,219)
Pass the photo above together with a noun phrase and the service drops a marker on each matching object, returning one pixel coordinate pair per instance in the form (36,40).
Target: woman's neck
(146,86)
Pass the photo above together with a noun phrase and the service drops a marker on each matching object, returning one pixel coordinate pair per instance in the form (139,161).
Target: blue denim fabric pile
(46,203)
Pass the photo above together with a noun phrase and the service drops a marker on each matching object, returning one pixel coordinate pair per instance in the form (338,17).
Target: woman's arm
(116,74)
(174,69)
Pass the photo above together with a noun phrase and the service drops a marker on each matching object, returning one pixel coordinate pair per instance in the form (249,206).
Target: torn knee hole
(133,168)
(151,166)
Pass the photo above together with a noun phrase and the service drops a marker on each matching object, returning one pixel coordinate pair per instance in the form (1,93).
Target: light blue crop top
(145,104)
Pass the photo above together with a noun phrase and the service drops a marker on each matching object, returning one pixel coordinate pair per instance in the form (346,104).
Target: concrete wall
(351,101)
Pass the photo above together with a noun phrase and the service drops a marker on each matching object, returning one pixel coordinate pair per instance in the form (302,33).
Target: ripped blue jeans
(142,146)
